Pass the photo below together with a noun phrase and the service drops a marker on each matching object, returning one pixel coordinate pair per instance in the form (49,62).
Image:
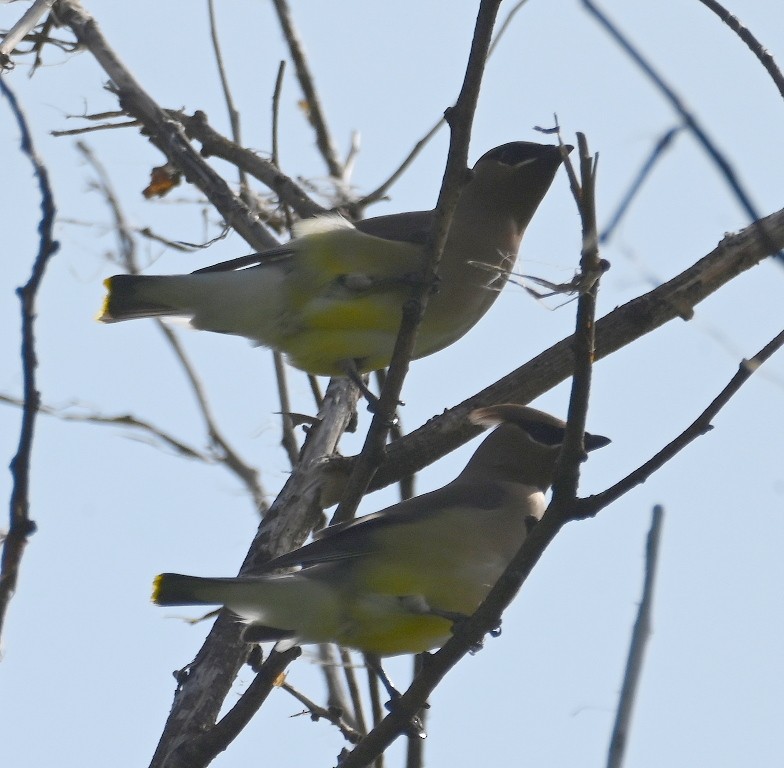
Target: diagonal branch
(163,131)
(701,425)
(22,27)
(266,171)
(676,298)
(688,117)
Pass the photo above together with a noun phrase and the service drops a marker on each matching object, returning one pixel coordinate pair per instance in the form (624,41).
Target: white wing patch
(320,224)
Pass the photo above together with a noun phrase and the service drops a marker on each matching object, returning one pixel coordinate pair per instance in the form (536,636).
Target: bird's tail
(276,606)
(176,589)
(244,596)
(133,296)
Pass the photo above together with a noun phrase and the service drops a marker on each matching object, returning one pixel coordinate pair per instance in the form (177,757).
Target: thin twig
(331,715)
(662,145)
(287,439)
(276,112)
(753,44)
(380,192)
(123,420)
(504,25)
(21,526)
(175,245)
(589,506)
(349,673)
(640,635)
(567,473)
(93,128)
(338,698)
(688,117)
(234,115)
(374,689)
(315,111)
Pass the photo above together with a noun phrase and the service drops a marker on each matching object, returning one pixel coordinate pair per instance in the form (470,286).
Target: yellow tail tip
(104,316)
(156,587)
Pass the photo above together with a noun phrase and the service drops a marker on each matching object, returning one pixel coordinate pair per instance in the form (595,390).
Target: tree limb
(164,132)
(735,254)
(640,636)
(21,526)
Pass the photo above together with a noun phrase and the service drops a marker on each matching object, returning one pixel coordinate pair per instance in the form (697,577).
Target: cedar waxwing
(395,581)
(331,299)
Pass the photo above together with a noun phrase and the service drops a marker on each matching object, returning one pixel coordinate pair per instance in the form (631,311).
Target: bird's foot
(373,400)
(415,727)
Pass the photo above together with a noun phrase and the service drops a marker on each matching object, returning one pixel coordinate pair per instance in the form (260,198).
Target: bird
(331,299)
(397,580)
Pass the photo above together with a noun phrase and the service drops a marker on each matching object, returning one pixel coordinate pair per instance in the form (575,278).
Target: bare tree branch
(753,44)
(22,27)
(315,111)
(201,693)
(234,115)
(469,634)
(380,192)
(317,712)
(640,635)
(164,132)
(336,672)
(21,526)
(460,119)
(214,741)
(123,420)
(676,298)
(266,171)
(567,475)
(247,474)
(590,506)
(688,117)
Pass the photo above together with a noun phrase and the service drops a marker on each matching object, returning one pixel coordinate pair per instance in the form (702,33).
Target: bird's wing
(359,537)
(251,260)
(412,227)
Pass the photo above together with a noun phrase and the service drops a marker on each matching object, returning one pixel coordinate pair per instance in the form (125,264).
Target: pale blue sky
(87,660)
